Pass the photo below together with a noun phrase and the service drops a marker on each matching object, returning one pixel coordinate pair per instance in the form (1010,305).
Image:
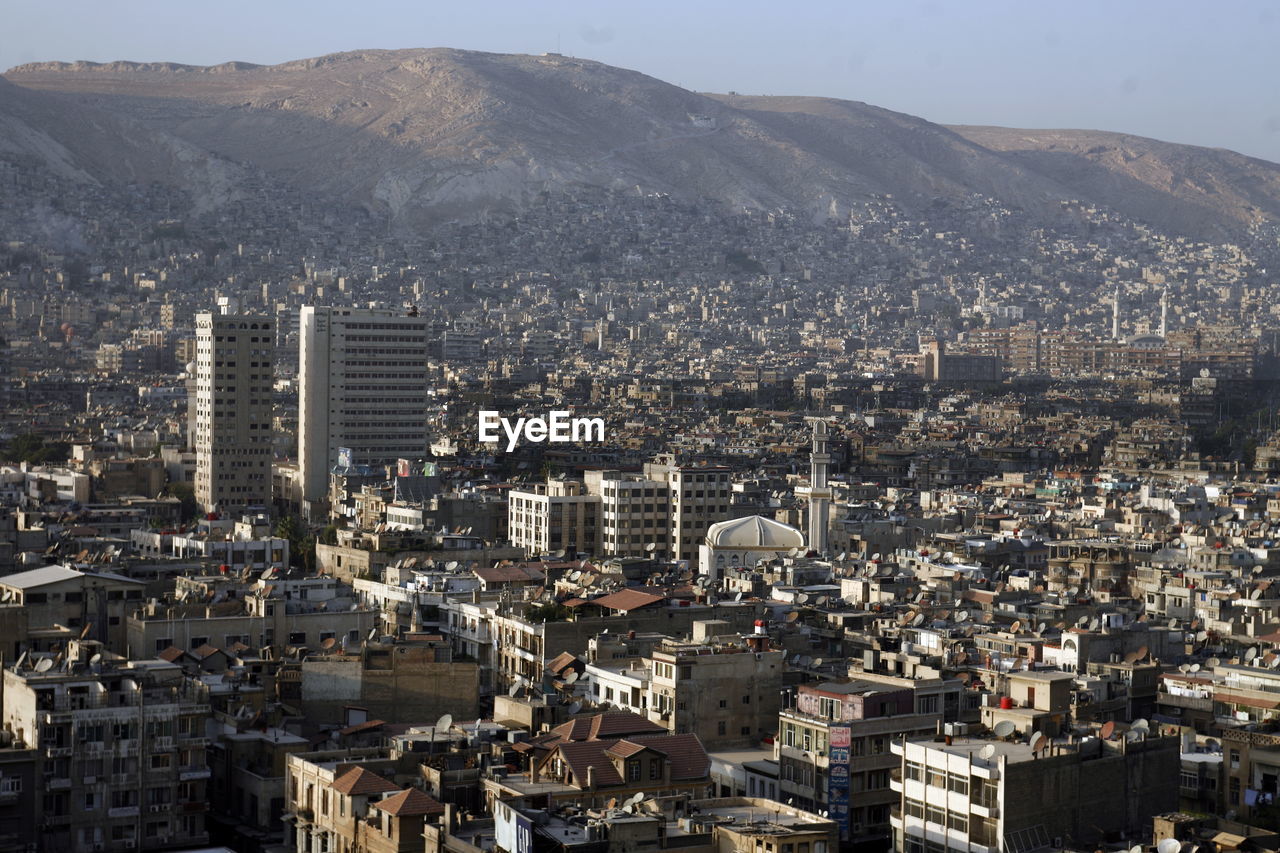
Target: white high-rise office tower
(233,379)
(363,386)
(1164,313)
(818,492)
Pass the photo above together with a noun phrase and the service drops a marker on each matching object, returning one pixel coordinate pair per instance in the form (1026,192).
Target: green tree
(32,448)
(186,495)
(302,544)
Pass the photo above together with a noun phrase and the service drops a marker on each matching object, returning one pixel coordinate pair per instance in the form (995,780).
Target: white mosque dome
(754,531)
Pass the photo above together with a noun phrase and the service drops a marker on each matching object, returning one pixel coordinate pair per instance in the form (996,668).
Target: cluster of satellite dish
(629,806)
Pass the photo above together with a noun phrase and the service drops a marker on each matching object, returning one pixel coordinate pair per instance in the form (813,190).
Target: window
(915,771)
(655,770)
(958,784)
(633,770)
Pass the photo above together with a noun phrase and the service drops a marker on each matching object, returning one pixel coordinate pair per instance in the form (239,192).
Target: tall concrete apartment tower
(233,379)
(362,386)
(698,496)
(818,492)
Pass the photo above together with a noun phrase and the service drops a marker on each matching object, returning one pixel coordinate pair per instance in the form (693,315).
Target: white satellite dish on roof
(1003,729)
(44,664)
(571,676)
(988,752)
(1169,845)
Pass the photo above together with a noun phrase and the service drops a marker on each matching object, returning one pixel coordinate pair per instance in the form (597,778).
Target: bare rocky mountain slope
(438,133)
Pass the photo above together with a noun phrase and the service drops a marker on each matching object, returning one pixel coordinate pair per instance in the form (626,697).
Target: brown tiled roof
(509,574)
(205,651)
(359,781)
(562,662)
(626,749)
(610,724)
(362,727)
(687,758)
(628,599)
(172,654)
(410,801)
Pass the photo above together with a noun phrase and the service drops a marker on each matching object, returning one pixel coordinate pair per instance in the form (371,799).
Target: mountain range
(434,134)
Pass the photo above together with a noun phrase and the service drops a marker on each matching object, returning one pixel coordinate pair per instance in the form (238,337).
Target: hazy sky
(1181,70)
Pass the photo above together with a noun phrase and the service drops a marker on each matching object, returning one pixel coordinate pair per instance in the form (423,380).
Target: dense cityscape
(920,528)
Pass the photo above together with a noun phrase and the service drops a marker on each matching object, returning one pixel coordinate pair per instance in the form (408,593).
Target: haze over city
(1181,71)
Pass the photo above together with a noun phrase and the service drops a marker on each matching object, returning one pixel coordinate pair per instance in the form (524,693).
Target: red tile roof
(610,724)
(410,801)
(360,781)
(627,600)
(509,574)
(685,755)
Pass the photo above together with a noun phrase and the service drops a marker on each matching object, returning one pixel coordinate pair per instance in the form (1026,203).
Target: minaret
(818,492)
(1115,315)
(1164,313)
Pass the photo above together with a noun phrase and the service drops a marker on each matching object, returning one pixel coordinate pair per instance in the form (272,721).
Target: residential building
(233,438)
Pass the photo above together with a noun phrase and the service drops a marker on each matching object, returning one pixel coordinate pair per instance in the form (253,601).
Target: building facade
(233,428)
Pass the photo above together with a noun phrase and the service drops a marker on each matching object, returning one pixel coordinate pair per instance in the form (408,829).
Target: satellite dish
(634,799)
(792,616)
(1036,742)
(1137,848)
(451,566)
(1195,667)
(571,676)
(1003,729)
(962,615)
(738,597)
(1256,594)
(1169,845)
(44,664)
(445,722)
(1201,636)
(817,662)
(1040,628)
(1184,668)
(515,688)
(97,658)
(1250,653)
(919,620)
(1016,627)
(988,752)
(574,708)
(1108,729)
(1140,725)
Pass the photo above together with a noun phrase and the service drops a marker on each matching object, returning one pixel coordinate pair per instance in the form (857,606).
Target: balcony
(191,774)
(895,780)
(985,808)
(123,811)
(57,783)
